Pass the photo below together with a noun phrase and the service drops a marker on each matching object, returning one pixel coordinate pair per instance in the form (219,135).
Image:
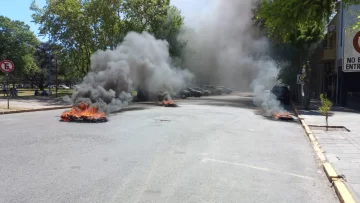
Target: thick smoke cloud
(266,78)
(226,49)
(221,49)
(140,61)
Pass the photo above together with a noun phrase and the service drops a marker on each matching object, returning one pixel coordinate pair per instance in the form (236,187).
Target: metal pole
(50,61)
(56,85)
(7,91)
(49,74)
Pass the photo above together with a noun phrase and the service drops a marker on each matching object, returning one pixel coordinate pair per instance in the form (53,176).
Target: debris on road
(83,113)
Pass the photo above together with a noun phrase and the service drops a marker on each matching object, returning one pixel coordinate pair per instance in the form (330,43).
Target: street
(212,149)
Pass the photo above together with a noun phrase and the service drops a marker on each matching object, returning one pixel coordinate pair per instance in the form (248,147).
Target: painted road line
(206,160)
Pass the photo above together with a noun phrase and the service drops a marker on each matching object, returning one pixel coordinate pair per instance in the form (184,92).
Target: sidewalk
(341,148)
(17,104)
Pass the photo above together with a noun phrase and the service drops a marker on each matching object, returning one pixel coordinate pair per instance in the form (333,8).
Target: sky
(20,10)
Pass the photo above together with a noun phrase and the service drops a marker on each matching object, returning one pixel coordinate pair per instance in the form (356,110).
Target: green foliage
(299,24)
(82,27)
(285,18)
(170,29)
(326,105)
(18,44)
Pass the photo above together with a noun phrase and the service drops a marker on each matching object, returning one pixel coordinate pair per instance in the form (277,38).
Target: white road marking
(205,160)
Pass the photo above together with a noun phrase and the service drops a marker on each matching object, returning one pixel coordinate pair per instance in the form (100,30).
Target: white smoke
(226,49)
(140,61)
(222,47)
(266,78)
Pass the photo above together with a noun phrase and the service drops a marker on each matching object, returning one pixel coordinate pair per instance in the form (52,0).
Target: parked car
(214,90)
(225,90)
(282,93)
(63,87)
(184,94)
(203,92)
(194,93)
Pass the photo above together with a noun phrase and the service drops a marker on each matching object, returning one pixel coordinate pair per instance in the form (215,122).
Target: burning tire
(285,116)
(169,103)
(83,113)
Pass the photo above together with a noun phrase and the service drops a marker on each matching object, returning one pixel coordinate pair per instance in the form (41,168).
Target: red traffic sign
(7,66)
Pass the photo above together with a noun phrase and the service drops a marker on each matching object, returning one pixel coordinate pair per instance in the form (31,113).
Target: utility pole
(7,90)
(49,73)
(50,62)
(56,75)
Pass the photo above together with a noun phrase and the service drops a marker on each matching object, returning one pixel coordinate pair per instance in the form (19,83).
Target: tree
(65,23)
(145,15)
(325,107)
(299,24)
(18,44)
(283,18)
(44,60)
(170,29)
(82,27)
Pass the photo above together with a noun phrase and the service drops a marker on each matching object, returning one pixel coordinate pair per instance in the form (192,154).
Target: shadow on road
(314,109)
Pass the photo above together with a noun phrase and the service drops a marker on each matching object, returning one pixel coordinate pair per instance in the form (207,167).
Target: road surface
(215,149)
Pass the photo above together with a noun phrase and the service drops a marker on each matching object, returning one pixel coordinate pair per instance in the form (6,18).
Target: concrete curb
(341,190)
(34,110)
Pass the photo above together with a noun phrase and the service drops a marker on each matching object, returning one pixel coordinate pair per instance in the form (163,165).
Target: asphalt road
(216,149)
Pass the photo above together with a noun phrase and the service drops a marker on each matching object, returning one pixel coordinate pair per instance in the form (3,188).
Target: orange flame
(83,112)
(168,102)
(282,115)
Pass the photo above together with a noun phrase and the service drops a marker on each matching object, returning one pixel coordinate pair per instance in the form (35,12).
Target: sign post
(351,51)
(7,67)
(300,79)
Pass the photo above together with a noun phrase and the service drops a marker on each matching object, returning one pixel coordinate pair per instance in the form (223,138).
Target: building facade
(348,89)
(343,88)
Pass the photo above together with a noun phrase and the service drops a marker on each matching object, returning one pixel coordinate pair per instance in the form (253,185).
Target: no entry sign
(7,66)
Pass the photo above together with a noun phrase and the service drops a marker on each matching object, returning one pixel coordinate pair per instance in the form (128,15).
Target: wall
(348,18)
(347,87)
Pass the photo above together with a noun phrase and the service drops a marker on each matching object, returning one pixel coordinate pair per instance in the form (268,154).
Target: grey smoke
(266,78)
(140,61)
(226,49)
(222,46)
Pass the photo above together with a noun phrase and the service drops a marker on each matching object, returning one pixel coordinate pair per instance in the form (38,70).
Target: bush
(325,107)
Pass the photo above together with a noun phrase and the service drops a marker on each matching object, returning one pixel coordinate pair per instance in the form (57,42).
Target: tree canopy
(84,26)
(284,19)
(18,44)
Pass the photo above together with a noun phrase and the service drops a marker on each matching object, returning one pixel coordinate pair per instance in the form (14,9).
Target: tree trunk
(326,118)
(307,88)
(41,83)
